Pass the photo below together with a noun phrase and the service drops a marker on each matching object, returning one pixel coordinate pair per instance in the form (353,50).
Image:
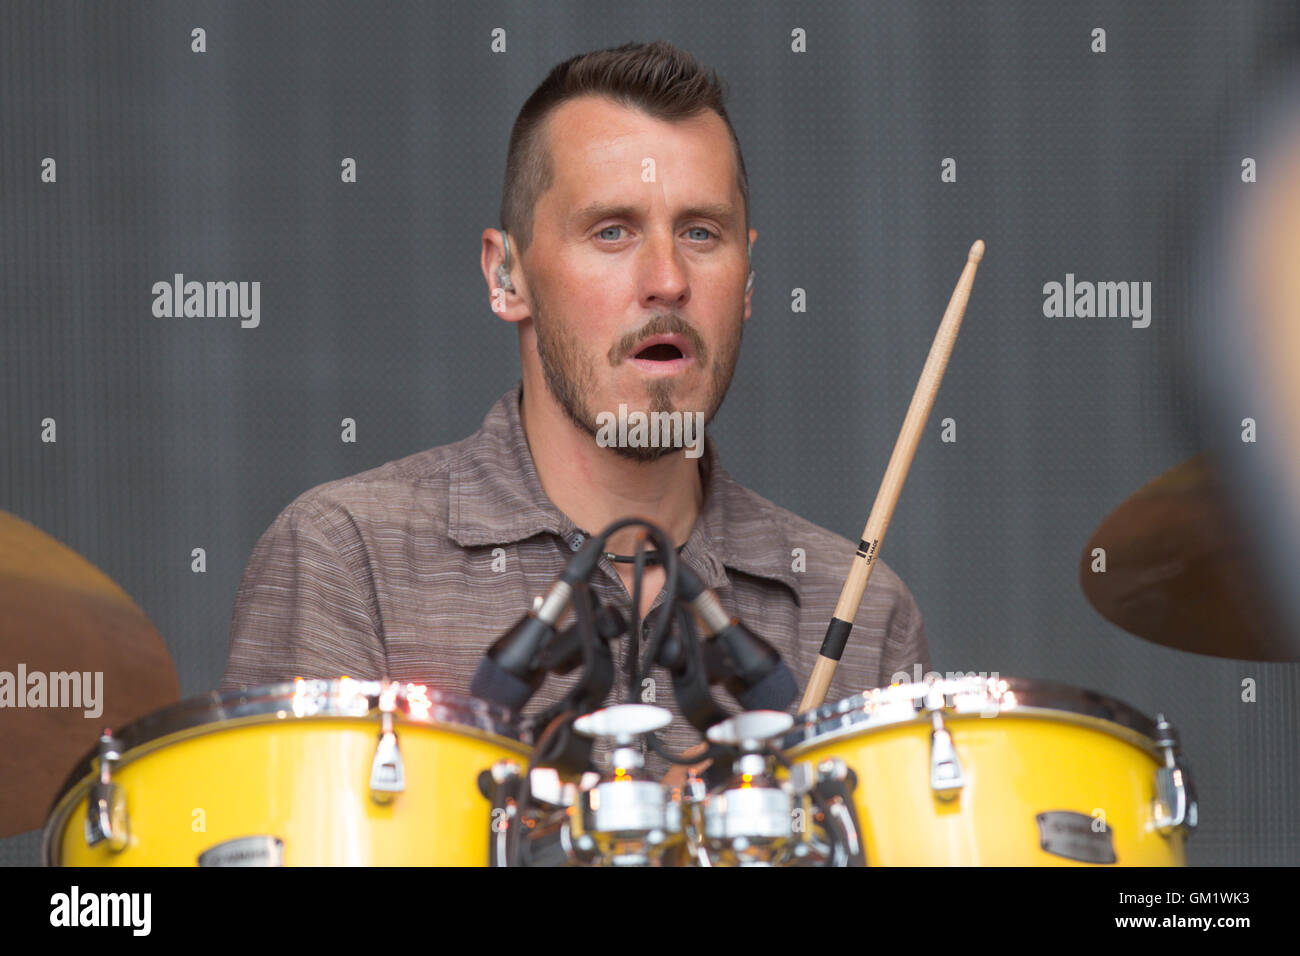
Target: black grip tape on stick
(837,636)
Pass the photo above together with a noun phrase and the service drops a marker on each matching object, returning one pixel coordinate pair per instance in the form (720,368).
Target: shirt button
(575,540)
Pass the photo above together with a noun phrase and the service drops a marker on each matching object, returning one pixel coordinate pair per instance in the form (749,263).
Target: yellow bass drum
(307,773)
(1004,772)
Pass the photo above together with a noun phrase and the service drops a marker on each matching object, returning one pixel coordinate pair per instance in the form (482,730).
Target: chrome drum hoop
(409,702)
(898,704)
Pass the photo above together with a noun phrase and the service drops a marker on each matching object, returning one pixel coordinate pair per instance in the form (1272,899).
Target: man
(623,264)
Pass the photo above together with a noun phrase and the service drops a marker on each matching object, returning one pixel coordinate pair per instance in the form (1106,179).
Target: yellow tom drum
(1004,772)
(308,773)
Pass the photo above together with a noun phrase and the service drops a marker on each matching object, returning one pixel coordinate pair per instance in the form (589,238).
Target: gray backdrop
(182,433)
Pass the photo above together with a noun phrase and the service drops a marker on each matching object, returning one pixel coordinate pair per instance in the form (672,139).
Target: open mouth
(662,352)
(663,355)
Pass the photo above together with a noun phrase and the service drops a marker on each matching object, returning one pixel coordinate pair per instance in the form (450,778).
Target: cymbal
(72,644)
(1179,572)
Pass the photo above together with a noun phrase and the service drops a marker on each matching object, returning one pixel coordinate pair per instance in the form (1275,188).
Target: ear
(749,290)
(506,302)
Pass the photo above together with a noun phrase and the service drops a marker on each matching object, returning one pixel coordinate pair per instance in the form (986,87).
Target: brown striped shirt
(412,570)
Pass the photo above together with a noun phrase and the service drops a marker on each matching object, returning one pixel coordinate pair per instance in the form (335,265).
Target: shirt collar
(496,498)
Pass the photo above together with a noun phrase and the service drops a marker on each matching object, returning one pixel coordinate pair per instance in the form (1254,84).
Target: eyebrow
(592,212)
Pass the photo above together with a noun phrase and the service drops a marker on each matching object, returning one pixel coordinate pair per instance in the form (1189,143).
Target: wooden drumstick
(837,633)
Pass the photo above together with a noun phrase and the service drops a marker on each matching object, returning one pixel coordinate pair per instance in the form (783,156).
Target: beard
(570,372)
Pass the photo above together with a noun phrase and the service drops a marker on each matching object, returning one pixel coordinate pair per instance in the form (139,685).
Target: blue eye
(708,233)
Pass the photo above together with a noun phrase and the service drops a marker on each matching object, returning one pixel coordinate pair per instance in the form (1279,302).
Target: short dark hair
(657,78)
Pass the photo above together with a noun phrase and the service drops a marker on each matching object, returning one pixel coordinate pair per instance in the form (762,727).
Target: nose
(662,273)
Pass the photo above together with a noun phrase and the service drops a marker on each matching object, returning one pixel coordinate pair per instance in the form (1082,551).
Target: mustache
(669,323)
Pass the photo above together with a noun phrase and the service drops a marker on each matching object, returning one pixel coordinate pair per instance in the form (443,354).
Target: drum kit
(966,771)
(942,771)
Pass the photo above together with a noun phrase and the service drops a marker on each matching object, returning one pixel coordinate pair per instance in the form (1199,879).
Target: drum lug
(946,777)
(832,786)
(690,800)
(1175,803)
(505,782)
(387,772)
(106,816)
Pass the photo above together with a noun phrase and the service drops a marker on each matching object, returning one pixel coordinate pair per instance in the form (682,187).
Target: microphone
(759,680)
(506,674)
(511,671)
(750,667)
(562,654)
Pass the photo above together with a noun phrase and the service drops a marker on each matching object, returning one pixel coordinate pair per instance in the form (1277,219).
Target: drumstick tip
(976,251)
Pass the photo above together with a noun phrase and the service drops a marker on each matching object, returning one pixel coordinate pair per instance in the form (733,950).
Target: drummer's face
(640,235)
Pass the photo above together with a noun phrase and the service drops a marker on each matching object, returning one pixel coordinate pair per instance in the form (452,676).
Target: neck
(596,486)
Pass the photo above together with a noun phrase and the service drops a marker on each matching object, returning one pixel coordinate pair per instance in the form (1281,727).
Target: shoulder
(413,488)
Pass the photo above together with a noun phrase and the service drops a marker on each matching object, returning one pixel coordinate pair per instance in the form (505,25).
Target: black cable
(634,662)
(712,752)
(663,621)
(670,588)
(653,646)
(584,611)
(589,636)
(821,804)
(691,646)
(662,626)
